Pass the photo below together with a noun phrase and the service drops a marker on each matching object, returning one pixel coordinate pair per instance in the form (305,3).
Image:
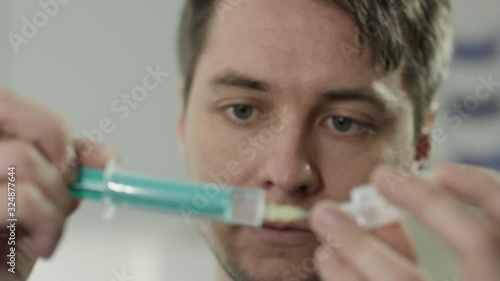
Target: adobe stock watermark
(372,30)
(453,118)
(123,269)
(122,275)
(247,152)
(224,6)
(361,40)
(308,266)
(31,26)
(123,106)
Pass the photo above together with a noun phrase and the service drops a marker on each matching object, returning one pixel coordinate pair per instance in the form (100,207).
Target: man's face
(276,104)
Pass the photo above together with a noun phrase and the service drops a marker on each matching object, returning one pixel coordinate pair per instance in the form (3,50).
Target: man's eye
(347,126)
(241,112)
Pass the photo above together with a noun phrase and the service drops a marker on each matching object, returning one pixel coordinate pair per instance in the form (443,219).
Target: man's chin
(260,256)
(280,264)
(270,271)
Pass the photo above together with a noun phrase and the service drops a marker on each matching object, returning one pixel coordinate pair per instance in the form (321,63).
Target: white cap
(369,209)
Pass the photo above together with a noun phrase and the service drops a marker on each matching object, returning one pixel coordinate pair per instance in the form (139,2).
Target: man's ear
(181,119)
(424,142)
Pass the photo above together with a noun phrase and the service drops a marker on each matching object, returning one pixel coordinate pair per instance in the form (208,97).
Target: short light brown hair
(411,35)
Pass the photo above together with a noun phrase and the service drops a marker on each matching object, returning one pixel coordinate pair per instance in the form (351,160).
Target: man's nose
(289,166)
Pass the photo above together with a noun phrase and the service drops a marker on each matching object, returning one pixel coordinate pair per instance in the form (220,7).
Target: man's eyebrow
(369,96)
(235,79)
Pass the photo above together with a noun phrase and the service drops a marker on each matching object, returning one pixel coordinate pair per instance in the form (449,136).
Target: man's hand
(439,204)
(37,143)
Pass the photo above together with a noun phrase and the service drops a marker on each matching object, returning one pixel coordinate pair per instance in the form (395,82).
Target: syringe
(232,205)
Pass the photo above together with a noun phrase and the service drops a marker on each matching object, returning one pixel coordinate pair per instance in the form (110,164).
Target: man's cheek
(225,174)
(246,151)
(218,163)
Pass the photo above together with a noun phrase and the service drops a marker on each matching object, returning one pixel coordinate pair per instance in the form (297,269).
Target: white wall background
(4,44)
(477,140)
(87,55)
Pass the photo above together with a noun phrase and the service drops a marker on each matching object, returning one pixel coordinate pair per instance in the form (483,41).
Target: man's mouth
(285,234)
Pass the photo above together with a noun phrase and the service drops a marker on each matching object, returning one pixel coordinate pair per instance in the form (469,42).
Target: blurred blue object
(478,51)
(489,108)
(492,161)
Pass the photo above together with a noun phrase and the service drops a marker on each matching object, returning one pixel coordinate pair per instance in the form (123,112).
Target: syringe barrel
(234,205)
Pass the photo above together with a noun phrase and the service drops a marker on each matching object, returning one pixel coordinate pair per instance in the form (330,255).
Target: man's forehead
(297,43)
(296,34)
(282,21)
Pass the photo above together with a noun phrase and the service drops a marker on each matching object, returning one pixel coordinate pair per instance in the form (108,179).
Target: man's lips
(299,226)
(285,234)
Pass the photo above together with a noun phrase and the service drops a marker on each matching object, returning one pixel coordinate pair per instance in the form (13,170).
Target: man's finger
(39,215)
(94,154)
(24,119)
(332,267)
(472,239)
(372,258)
(478,185)
(31,166)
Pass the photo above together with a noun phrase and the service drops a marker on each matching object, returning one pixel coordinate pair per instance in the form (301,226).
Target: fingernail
(71,158)
(111,152)
(106,151)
